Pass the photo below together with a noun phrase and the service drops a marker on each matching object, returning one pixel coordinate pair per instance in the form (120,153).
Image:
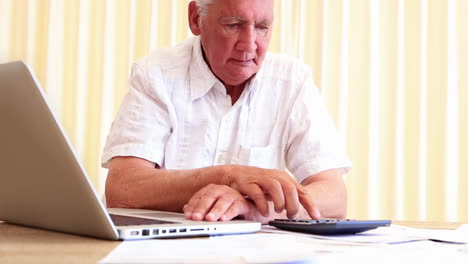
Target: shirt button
(221,159)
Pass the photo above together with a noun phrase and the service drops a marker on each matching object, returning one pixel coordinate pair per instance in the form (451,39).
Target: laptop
(43,185)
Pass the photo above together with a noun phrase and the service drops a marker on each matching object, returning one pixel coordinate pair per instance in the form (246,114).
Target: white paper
(427,252)
(382,235)
(392,235)
(251,248)
(459,235)
(382,245)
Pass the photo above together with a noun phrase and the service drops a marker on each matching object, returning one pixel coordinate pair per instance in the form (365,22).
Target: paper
(459,235)
(393,234)
(382,235)
(382,245)
(251,248)
(427,252)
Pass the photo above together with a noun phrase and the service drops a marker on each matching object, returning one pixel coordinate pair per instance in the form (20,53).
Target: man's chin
(239,80)
(242,76)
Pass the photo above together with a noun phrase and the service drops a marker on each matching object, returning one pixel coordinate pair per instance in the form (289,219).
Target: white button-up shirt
(177,114)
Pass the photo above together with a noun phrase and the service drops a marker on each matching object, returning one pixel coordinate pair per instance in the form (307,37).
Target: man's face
(235,35)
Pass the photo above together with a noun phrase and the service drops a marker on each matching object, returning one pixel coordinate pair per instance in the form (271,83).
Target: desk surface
(28,245)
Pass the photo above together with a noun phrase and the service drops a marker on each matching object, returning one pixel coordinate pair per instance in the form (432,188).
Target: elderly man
(211,126)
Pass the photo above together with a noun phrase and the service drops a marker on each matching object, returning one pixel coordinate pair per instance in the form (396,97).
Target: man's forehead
(247,11)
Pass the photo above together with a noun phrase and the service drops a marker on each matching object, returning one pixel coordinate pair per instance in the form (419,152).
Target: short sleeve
(313,142)
(142,125)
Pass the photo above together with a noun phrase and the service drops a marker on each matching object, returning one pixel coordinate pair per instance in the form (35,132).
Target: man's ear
(193,17)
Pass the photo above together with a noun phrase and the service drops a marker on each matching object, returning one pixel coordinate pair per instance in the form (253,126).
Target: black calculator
(328,226)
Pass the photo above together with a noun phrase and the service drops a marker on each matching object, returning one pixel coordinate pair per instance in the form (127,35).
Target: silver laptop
(43,185)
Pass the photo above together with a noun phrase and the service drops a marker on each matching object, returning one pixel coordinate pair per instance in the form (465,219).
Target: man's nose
(247,39)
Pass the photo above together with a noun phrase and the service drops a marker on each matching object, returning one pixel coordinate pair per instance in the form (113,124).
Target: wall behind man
(393,73)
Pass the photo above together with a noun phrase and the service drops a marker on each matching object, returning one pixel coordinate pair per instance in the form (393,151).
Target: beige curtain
(394,74)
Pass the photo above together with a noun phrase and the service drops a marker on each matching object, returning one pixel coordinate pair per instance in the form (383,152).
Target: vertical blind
(394,74)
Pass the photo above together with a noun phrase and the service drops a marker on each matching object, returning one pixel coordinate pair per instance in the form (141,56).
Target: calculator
(328,226)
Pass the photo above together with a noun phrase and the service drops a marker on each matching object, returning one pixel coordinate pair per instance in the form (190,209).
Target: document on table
(459,235)
(382,245)
(424,251)
(249,248)
(392,235)
(381,235)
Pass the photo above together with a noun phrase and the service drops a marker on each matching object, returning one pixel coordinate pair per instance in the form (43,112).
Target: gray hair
(203,6)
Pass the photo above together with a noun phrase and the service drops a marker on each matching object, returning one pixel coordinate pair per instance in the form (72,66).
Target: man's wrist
(224,174)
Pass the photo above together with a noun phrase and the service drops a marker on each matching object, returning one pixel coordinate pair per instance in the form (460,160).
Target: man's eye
(232,25)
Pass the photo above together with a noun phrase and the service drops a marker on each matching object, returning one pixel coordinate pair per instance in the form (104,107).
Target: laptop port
(182,230)
(155,232)
(163,231)
(172,230)
(145,232)
(134,233)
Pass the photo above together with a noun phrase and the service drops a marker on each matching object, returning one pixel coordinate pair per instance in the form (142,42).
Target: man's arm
(136,183)
(328,190)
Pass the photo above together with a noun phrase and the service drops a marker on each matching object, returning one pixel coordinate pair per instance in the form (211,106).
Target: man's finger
(220,207)
(237,208)
(309,206)
(272,189)
(255,193)
(292,203)
(200,204)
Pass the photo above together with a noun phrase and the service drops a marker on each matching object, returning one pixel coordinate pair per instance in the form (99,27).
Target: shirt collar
(202,78)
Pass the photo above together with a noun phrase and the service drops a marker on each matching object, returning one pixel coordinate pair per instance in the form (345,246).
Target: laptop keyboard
(122,220)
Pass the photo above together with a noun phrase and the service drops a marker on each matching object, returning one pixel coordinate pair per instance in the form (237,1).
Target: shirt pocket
(267,157)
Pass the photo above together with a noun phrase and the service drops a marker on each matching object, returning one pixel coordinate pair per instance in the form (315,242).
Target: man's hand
(217,202)
(222,190)
(263,185)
